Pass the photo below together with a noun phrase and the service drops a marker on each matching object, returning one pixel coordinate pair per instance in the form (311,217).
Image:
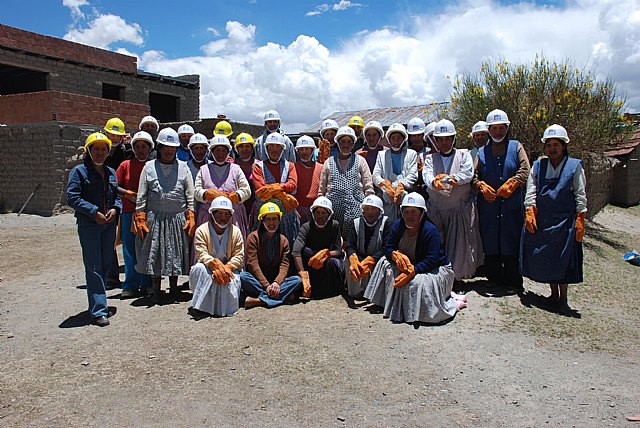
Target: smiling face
(480,139)
(396,140)
(554,149)
(274,151)
(271,223)
(244,150)
(345,144)
(411,216)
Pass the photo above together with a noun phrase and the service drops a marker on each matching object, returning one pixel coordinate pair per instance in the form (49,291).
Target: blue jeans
(132,279)
(97,242)
(252,287)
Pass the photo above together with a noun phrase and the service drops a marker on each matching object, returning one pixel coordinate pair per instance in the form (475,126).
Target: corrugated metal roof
(624,148)
(387,115)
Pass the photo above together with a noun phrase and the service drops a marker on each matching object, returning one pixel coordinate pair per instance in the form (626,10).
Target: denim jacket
(88,192)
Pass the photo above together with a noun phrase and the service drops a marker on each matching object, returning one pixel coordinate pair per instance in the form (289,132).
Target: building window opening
(164,107)
(112,92)
(16,80)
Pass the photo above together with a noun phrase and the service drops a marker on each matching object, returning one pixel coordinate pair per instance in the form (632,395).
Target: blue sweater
(429,254)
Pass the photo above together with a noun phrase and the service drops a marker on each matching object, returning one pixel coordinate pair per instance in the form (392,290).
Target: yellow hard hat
(269,208)
(96,137)
(356,121)
(115,126)
(244,138)
(222,128)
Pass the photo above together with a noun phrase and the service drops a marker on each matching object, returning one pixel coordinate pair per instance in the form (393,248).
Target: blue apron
(552,255)
(500,221)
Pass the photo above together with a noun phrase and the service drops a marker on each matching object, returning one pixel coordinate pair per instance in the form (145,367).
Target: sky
(308,59)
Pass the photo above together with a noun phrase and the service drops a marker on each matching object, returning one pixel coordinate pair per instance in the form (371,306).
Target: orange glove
(402,261)
(437,183)
(306,284)
(324,150)
(420,166)
(530,219)
(363,153)
(579,227)
(507,189)
(367,263)
(228,268)
(211,194)
(233,197)
(140,219)
(387,187)
(268,191)
(355,267)
(451,180)
(130,195)
(398,193)
(403,279)
(219,273)
(290,202)
(319,259)
(488,192)
(190,223)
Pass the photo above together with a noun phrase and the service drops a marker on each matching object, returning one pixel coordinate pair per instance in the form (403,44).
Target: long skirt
(165,249)
(210,297)
(355,287)
(427,298)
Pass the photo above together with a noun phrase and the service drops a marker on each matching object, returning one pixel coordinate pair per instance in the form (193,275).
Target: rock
(85,363)
(341,418)
(247,350)
(10,336)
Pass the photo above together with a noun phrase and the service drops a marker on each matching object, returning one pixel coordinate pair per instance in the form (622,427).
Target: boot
(173,287)
(155,290)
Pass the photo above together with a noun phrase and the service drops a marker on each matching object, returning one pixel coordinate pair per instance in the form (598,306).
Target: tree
(540,94)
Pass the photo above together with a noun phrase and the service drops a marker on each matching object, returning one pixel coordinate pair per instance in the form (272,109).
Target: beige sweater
(204,246)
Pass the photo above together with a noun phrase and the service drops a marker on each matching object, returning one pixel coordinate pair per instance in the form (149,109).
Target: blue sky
(310,58)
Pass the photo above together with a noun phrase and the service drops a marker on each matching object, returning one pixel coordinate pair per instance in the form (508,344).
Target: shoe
(100,321)
(128,294)
(112,285)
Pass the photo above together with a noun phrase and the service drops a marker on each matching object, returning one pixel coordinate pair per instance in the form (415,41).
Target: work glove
(233,197)
(488,192)
(420,166)
(220,274)
(324,150)
(530,219)
(319,259)
(130,195)
(450,180)
(306,284)
(437,182)
(579,227)
(211,194)
(268,191)
(190,223)
(507,189)
(140,220)
(355,269)
(398,193)
(403,279)
(402,262)
(367,263)
(387,187)
(290,202)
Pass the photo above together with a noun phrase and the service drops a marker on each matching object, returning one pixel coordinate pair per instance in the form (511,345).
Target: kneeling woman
(265,281)
(215,279)
(413,281)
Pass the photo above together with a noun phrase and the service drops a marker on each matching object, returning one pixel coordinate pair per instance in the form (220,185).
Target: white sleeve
(378,169)
(188,188)
(466,169)
(579,189)
(410,169)
(427,171)
(198,189)
(532,191)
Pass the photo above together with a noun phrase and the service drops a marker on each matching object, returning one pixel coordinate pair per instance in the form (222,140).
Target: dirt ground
(503,361)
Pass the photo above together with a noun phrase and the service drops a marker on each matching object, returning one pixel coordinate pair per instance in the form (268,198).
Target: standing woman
(327,144)
(308,177)
(245,158)
(345,180)
(222,177)
(452,209)
(164,216)
(373,135)
(396,170)
(556,203)
(92,191)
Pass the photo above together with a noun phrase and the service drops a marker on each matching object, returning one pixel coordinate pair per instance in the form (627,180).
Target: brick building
(54,92)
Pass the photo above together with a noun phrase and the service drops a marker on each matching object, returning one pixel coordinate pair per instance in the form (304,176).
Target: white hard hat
(219,140)
(397,127)
(142,136)
(271,115)
(428,130)
(198,139)
(149,119)
(555,131)
(373,124)
(328,124)
(413,199)
(168,137)
(305,141)
(274,138)
(221,203)
(444,128)
(346,131)
(497,117)
(373,201)
(415,126)
(185,129)
(323,202)
(480,126)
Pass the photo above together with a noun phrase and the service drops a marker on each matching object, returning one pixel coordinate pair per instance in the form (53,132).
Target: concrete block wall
(599,176)
(206,127)
(626,177)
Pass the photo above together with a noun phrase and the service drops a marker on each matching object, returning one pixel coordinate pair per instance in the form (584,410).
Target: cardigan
(429,252)
(204,246)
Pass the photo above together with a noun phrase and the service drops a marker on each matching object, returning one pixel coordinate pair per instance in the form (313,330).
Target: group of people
(398,218)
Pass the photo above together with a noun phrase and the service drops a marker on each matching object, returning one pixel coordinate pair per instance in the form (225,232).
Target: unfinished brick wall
(599,175)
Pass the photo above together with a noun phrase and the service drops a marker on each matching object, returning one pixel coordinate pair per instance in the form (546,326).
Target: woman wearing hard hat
(396,170)
(500,172)
(317,252)
(365,245)
(272,125)
(215,279)
(92,191)
(265,281)
(222,177)
(308,177)
(327,146)
(165,217)
(452,209)
(555,206)
(244,147)
(128,173)
(413,281)
(373,136)
(185,132)
(345,180)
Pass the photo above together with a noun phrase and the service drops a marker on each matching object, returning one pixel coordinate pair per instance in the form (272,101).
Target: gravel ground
(320,363)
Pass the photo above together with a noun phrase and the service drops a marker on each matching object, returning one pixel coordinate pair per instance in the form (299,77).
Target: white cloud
(344,4)
(324,7)
(240,39)
(105,30)
(213,31)
(75,5)
(318,10)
